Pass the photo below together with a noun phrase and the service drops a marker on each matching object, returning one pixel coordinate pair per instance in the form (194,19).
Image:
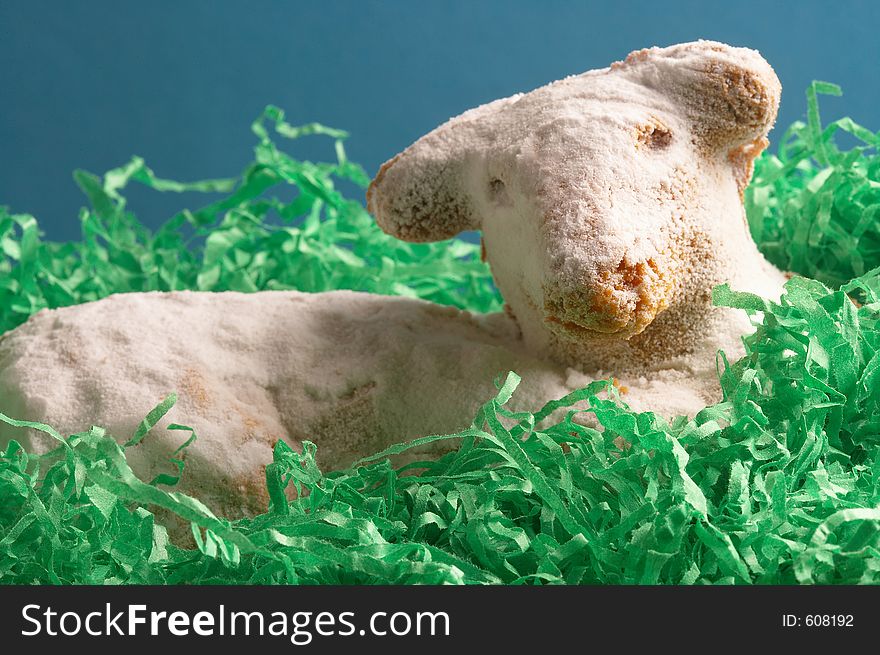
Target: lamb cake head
(610,203)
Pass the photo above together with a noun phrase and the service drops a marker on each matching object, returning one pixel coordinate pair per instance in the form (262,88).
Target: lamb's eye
(654,135)
(497,191)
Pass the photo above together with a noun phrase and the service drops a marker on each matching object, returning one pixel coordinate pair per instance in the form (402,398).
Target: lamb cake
(610,205)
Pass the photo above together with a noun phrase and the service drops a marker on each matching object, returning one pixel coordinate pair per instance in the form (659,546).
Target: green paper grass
(776,484)
(813,208)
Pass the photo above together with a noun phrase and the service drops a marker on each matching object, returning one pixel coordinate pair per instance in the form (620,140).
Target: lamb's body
(610,205)
(352,372)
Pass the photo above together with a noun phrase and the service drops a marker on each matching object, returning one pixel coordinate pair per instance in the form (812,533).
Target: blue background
(88,84)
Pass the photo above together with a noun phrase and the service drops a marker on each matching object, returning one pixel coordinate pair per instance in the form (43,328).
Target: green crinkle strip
(813,208)
(779,483)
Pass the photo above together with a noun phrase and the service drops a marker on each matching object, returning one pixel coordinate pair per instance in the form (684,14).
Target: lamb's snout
(619,301)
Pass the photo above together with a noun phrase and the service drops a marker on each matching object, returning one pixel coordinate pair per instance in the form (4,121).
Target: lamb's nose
(619,302)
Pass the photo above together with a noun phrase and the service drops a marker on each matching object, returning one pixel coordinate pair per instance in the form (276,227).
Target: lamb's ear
(421,195)
(730,95)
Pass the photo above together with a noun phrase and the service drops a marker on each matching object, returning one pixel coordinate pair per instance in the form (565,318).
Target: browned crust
(654,135)
(622,301)
(742,158)
(374,184)
(192,385)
